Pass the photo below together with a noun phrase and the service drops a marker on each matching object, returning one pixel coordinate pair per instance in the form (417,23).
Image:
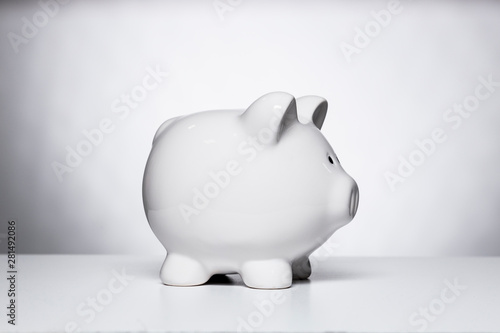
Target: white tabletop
(58,293)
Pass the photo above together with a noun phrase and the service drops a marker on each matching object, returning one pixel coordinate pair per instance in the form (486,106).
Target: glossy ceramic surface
(252,191)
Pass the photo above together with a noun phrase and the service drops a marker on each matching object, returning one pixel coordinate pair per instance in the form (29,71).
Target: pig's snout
(354,200)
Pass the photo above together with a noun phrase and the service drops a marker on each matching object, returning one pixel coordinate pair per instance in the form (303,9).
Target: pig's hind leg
(301,268)
(267,274)
(180,270)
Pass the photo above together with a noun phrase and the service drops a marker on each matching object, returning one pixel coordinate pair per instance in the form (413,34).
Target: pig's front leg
(267,274)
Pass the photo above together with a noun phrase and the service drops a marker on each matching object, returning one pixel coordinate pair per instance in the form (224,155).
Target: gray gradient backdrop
(66,77)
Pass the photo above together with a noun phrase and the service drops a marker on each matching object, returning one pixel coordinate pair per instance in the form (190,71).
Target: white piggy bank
(252,191)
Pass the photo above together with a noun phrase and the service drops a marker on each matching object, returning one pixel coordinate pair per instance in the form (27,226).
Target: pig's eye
(330,159)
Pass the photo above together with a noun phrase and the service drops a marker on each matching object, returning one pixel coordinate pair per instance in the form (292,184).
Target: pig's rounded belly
(286,234)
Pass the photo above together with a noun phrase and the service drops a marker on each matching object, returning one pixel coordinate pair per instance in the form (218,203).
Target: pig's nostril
(353,203)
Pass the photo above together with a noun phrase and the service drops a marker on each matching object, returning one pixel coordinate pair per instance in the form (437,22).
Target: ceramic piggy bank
(252,191)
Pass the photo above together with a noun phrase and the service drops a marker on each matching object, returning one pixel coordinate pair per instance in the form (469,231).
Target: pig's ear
(312,109)
(272,113)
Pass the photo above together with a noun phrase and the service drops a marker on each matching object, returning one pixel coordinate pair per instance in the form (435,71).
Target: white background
(396,90)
